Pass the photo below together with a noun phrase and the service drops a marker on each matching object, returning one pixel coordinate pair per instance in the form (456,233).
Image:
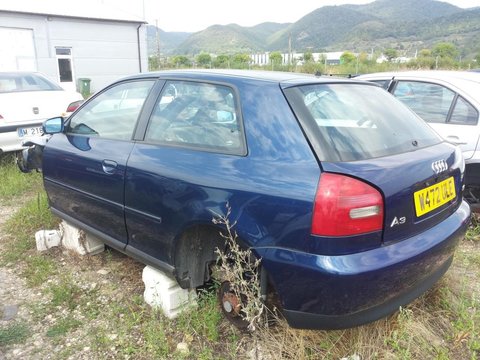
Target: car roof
(286,78)
(446,75)
(466,81)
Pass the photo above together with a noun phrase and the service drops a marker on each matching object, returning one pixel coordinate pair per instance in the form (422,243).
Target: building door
(66,75)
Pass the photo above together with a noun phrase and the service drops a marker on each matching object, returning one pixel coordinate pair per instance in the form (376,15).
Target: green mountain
(410,10)
(406,25)
(321,28)
(227,39)
(169,41)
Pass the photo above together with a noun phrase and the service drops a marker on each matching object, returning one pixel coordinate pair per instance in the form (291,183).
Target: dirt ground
(19,303)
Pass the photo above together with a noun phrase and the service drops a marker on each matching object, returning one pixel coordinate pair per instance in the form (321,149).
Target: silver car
(449,101)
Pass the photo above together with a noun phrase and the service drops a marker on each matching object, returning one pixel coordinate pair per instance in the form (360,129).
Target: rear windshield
(347,121)
(18,82)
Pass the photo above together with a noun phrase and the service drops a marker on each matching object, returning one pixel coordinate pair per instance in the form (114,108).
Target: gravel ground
(14,297)
(20,304)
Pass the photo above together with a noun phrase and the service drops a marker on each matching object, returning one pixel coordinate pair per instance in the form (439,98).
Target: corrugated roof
(77,9)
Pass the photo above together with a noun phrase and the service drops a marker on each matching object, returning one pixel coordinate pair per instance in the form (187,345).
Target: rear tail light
(346,206)
(73,106)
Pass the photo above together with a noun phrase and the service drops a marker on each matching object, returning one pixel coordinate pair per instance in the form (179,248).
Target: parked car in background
(26,100)
(352,203)
(449,101)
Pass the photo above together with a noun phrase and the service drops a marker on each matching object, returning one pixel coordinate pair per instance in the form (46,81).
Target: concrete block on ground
(79,241)
(46,239)
(164,292)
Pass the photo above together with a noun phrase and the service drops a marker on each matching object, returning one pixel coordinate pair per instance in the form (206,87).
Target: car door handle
(455,140)
(109,166)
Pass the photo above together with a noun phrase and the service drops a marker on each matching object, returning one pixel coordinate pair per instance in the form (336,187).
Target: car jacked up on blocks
(352,202)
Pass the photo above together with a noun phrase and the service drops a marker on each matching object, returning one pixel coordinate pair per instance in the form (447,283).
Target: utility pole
(158,42)
(290,49)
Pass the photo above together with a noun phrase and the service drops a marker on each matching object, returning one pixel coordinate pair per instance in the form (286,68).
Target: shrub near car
(26,100)
(353,204)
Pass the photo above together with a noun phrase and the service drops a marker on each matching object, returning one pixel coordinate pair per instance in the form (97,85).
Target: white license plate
(29,131)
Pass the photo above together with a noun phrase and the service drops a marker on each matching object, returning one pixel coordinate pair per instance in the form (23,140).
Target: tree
(241,60)
(425,53)
(204,60)
(308,56)
(424,60)
(477,59)
(390,54)
(347,58)
(445,50)
(180,60)
(222,61)
(275,58)
(153,63)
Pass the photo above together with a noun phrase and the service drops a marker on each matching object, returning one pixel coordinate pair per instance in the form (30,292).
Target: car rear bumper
(334,292)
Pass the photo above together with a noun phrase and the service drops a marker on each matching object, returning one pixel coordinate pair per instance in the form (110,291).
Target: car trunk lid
(30,106)
(420,188)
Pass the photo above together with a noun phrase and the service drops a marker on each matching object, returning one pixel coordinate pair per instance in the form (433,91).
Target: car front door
(194,136)
(84,167)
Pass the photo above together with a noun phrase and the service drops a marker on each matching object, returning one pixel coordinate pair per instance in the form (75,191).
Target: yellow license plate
(434,196)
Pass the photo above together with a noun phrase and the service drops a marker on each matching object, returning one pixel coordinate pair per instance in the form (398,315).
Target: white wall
(103,51)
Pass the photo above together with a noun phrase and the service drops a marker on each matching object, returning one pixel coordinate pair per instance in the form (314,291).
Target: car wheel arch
(194,251)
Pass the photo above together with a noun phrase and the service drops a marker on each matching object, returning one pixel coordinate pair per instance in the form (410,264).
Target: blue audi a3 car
(352,203)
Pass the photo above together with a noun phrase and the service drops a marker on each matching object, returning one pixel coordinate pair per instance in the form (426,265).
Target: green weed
(65,294)
(34,216)
(63,327)
(14,182)
(15,333)
(473,232)
(39,268)
(204,320)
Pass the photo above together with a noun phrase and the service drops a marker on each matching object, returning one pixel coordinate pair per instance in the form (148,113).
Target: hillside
(169,41)
(228,39)
(401,10)
(319,29)
(406,25)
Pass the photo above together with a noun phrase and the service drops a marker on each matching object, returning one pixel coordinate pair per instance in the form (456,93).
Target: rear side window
(25,82)
(464,113)
(347,122)
(197,115)
(431,102)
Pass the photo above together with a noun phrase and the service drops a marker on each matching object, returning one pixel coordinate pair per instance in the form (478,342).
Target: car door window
(198,115)
(464,113)
(431,102)
(113,113)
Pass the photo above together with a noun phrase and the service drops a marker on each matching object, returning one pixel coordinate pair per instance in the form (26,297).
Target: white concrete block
(47,239)
(164,292)
(79,241)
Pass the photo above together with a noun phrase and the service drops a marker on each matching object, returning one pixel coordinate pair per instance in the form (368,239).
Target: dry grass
(106,313)
(442,324)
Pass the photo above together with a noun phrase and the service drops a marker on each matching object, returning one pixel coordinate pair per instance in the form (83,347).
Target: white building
(71,41)
(330,58)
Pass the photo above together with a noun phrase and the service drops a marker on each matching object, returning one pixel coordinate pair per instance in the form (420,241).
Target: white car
(449,101)
(26,100)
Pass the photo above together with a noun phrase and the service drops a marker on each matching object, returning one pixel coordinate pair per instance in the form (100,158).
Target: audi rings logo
(439,166)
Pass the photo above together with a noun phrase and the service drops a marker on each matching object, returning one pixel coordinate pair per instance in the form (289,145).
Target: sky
(197,15)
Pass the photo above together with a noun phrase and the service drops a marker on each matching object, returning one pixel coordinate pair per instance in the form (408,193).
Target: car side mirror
(53,126)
